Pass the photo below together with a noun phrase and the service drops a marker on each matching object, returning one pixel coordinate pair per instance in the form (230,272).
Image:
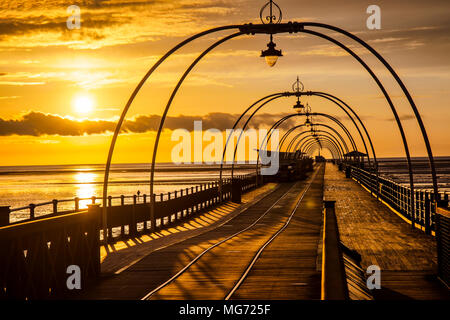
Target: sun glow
(83,104)
(85,187)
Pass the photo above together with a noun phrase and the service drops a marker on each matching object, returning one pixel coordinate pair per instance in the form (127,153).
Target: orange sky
(45,68)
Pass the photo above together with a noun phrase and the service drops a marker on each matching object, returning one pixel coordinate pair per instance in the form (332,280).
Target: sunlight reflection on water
(85,188)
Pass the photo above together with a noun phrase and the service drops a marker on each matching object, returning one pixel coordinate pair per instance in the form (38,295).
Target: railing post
(197,205)
(236,190)
(152,212)
(334,283)
(122,227)
(170,215)
(32,213)
(133,225)
(55,206)
(77,203)
(95,212)
(348,172)
(183,211)
(427,208)
(93,199)
(4,215)
(175,195)
(443,243)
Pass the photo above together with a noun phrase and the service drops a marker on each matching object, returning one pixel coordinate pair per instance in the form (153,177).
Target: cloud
(8,97)
(41,124)
(103,23)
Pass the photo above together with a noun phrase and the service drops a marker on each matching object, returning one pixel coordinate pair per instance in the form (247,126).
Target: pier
(299,226)
(306,239)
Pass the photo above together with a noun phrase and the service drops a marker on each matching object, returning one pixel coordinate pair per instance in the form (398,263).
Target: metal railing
(37,252)
(398,197)
(51,208)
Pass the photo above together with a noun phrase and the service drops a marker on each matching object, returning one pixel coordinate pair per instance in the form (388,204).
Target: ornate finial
(271,16)
(307,108)
(298,86)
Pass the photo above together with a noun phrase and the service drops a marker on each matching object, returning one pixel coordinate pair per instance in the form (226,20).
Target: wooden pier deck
(118,256)
(407,257)
(270,248)
(220,268)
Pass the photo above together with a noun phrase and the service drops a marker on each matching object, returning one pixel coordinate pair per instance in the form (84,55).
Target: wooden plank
(384,239)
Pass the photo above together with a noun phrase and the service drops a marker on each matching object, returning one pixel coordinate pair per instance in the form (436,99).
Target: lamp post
(274,26)
(298,88)
(271,54)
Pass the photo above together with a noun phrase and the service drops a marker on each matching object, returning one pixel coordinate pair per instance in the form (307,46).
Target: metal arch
(130,101)
(166,110)
(313,141)
(322,141)
(316,146)
(288,94)
(277,123)
(299,143)
(291,94)
(343,144)
(301,133)
(330,147)
(323,145)
(268,135)
(300,27)
(394,111)
(333,99)
(325,134)
(236,123)
(243,128)
(404,89)
(315,124)
(286,27)
(308,139)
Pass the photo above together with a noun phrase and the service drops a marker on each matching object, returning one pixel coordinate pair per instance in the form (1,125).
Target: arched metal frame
(343,148)
(270,96)
(322,141)
(340,103)
(279,122)
(252,29)
(315,124)
(322,144)
(297,145)
(284,95)
(307,139)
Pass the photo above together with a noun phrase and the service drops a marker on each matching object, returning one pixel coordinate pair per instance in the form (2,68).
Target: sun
(83,104)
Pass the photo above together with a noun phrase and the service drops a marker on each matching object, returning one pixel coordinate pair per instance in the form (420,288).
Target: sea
(23,185)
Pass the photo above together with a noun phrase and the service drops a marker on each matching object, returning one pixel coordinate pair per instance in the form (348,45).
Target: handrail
(141,198)
(398,197)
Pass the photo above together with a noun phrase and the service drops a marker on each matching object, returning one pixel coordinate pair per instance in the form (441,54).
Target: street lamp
(308,122)
(271,54)
(298,88)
